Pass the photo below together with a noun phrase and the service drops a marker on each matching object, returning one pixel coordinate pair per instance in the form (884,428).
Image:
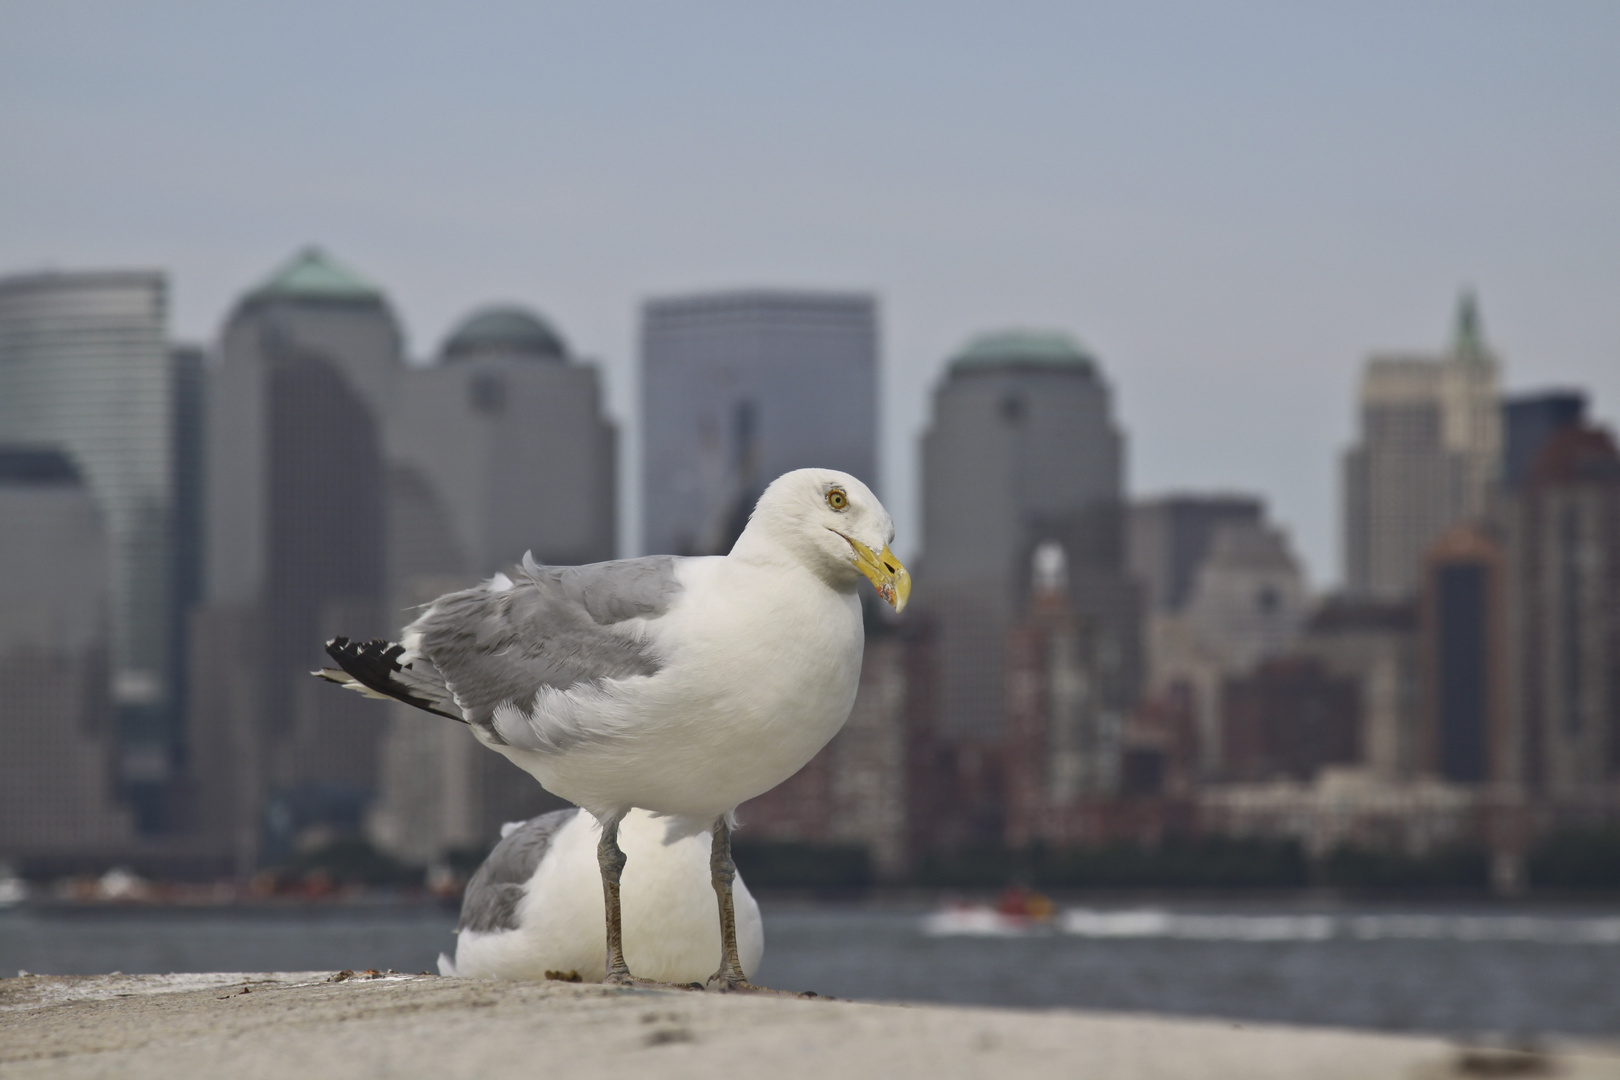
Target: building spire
(1469,338)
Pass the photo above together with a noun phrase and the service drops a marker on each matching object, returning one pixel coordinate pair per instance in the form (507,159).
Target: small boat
(1017,911)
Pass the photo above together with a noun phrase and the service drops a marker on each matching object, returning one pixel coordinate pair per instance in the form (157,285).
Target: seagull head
(832,523)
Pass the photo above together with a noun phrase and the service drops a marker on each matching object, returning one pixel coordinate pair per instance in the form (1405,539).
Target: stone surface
(303,1024)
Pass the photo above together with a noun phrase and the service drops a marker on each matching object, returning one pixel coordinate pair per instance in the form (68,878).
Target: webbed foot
(725,983)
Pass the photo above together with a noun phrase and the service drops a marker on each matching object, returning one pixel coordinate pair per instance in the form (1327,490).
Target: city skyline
(630,484)
(1231,209)
(1015,693)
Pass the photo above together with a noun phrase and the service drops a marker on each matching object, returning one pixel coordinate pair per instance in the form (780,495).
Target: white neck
(763,545)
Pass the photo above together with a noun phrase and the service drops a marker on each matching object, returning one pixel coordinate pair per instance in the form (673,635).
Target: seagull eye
(837,499)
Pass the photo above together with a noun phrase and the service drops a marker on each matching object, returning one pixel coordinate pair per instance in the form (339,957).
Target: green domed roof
(1022,348)
(506,330)
(311,274)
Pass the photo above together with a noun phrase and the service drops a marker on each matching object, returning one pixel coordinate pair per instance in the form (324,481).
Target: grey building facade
(499,448)
(85,368)
(740,387)
(296,537)
(57,775)
(506,434)
(1022,450)
(344,487)
(187,522)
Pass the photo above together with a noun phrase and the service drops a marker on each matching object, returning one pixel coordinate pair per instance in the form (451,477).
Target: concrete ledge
(244,1026)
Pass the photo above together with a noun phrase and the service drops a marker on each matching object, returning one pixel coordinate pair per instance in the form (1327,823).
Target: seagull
(680,686)
(532,912)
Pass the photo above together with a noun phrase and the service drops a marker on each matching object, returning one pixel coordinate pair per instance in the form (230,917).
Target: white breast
(760,671)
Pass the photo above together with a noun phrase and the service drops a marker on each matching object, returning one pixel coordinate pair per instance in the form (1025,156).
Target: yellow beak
(884,571)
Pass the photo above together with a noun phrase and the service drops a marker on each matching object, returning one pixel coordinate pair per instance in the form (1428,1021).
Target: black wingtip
(373,664)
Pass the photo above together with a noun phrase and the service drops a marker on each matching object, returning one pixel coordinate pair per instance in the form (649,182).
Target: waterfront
(1514,972)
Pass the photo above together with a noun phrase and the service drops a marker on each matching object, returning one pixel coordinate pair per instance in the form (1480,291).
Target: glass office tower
(85,369)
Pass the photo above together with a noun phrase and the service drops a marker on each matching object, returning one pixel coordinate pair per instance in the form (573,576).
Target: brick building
(1290,718)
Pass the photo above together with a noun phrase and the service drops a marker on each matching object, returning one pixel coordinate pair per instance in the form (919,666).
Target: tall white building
(740,387)
(1431,445)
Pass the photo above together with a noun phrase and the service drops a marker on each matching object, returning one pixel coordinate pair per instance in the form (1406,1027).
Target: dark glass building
(740,387)
(1528,421)
(1462,628)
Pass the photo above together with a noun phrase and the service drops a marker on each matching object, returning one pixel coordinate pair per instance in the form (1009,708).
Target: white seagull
(534,910)
(682,686)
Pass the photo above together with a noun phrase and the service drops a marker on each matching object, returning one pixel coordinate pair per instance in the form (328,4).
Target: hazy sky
(1231,204)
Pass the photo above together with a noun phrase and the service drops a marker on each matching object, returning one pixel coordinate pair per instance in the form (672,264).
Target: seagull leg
(610,859)
(722,871)
(611,862)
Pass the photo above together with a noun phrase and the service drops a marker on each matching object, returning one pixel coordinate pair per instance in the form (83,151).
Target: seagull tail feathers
(373,669)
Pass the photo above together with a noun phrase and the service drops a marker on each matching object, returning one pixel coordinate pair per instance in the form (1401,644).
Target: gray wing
(555,626)
(492,896)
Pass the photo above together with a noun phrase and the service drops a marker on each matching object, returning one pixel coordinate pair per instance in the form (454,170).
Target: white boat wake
(1163,924)
(1159,923)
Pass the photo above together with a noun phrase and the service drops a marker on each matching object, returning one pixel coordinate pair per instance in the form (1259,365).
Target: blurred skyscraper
(296,536)
(187,551)
(1463,643)
(345,487)
(740,387)
(502,444)
(1431,445)
(501,447)
(85,368)
(1563,591)
(1557,733)
(1022,451)
(56,719)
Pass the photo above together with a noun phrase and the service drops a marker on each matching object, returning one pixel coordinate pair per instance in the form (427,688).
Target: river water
(1518,973)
